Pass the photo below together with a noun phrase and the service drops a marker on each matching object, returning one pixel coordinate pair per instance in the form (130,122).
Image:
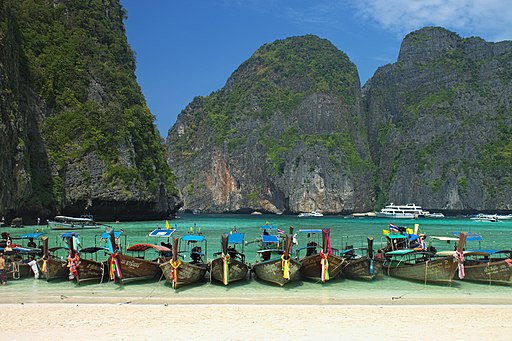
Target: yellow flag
(385,232)
(167,226)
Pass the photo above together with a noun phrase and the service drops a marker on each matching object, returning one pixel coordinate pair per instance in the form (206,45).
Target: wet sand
(131,321)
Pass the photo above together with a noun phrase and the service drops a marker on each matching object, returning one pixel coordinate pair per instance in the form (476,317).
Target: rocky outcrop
(78,135)
(24,169)
(440,120)
(284,134)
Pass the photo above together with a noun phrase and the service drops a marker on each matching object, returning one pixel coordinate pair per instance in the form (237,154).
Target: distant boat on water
(408,211)
(61,222)
(310,214)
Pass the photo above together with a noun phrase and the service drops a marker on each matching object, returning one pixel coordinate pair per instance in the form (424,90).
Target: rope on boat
(15,270)
(426,270)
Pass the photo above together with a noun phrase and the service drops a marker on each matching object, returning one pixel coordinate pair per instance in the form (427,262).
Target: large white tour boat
(408,211)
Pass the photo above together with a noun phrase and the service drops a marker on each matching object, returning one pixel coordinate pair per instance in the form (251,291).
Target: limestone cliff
(285,134)
(100,152)
(24,169)
(439,123)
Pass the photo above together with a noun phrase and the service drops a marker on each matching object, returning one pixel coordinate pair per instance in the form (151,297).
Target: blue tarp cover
(311,231)
(269,239)
(396,236)
(68,234)
(236,238)
(470,237)
(31,235)
(163,233)
(193,238)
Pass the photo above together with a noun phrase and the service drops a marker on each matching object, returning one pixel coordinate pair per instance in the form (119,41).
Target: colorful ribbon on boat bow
(324,275)
(174,271)
(44,267)
(114,268)
(285,266)
(73,266)
(460,260)
(226,259)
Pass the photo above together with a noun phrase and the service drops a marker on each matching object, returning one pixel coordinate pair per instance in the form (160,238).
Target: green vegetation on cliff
(83,68)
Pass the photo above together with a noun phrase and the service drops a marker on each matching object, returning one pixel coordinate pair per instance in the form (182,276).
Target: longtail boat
(138,268)
(51,266)
(360,266)
(493,267)
(276,266)
(319,266)
(230,266)
(488,266)
(180,273)
(423,266)
(125,269)
(90,270)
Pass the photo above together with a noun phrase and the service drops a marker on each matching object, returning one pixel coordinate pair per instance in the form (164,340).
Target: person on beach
(33,265)
(2,269)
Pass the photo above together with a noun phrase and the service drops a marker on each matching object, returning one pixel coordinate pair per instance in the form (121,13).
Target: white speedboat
(310,214)
(408,211)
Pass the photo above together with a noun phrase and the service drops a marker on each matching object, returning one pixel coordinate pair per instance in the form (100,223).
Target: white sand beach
(58,321)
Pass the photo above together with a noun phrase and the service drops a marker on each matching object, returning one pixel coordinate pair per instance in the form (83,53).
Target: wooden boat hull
(271,271)
(439,270)
(237,270)
(360,268)
(135,269)
(499,272)
(23,271)
(91,271)
(187,273)
(312,268)
(56,269)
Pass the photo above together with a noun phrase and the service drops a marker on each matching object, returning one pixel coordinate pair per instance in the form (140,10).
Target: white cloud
(490,19)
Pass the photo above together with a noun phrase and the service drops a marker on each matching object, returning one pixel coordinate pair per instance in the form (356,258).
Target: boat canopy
(236,238)
(485,252)
(93,249)
(310,231)
(23,249)
(269,239)
(193,238)
(31,235)
(470,237)
(400,252)
(68,234)
(145,246)
(268,226)
(445,239)
(396,236)
(162,233)
(106,235)
(75,219)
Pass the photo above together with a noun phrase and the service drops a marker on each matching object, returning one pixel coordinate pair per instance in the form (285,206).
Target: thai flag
(279,231)
(393,228)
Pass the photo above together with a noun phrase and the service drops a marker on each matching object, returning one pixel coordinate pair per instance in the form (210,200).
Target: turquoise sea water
(382,290)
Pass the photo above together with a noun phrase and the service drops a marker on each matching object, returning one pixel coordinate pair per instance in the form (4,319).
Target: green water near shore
(338,291)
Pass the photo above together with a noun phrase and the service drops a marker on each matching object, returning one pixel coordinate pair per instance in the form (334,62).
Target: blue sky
(188,48)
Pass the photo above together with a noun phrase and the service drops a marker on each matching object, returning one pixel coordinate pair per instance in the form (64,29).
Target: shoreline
(255,321)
